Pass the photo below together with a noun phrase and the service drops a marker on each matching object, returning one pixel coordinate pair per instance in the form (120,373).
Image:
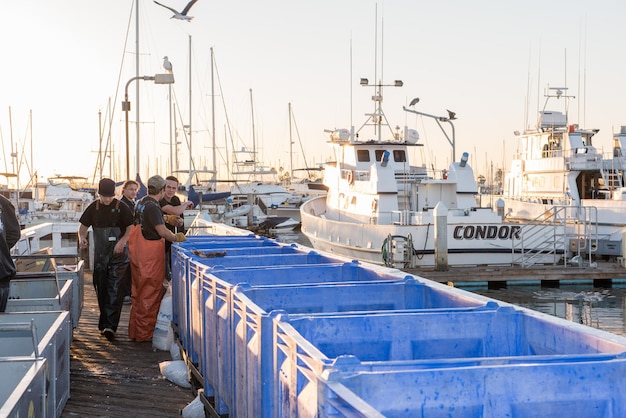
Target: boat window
(399,156)
(363,156)
(379,154)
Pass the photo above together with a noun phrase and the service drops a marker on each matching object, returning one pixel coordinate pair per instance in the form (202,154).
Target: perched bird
(180,15)
(167,64)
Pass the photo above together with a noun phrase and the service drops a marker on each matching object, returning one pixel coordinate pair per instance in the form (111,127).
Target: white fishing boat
(382,209)
(556,165)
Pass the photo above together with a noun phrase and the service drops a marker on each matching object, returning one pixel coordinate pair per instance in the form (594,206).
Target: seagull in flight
(180,15)
(167,64)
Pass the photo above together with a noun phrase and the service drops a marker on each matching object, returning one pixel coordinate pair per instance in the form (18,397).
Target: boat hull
(469,242)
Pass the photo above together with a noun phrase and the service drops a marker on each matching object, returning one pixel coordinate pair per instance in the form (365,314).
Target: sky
(67,62)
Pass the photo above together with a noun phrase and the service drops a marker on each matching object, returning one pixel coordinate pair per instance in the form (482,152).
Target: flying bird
(167,64)
(180,15)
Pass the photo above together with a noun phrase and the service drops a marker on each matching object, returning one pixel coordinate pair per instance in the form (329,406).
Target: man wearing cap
(147,260)
(110,221)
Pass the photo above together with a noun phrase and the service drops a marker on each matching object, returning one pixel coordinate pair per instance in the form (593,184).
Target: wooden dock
(119,378)
(602,275)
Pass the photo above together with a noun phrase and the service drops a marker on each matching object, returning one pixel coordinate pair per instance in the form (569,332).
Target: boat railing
(60,237)
(578,155)
(570,230)
(555,199)
(413,176)
(613,167)
(351,175)
(402,217)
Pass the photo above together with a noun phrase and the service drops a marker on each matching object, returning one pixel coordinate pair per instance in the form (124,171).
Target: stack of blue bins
(182,278)
(282,330)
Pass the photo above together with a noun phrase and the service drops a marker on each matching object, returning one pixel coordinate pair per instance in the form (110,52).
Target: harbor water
(602,308)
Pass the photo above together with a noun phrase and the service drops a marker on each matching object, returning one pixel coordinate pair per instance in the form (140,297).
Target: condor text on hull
(487,232)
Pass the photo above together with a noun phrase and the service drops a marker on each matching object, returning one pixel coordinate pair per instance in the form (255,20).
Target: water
(596,307)
(291,237)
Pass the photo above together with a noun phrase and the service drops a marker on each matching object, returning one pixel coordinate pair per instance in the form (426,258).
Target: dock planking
(119,378)
(602,274)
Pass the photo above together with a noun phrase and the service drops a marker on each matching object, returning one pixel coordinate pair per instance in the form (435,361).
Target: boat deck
(119,378)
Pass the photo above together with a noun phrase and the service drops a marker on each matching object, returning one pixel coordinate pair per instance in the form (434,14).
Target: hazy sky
(68,60)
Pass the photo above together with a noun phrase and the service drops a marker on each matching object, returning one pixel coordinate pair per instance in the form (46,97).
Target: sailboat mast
(175,139)
(190,158)
(253,131)
(170,110)
(13,153)
(213,119)
(290,147)
(32,160)
(98,169)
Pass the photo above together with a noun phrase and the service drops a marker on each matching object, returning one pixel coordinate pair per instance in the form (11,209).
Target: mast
(32,161)
(100,157)
(290,147)
(13,153)
(190,158)
(253,129)
(175,139)
(171,113)
(213,119)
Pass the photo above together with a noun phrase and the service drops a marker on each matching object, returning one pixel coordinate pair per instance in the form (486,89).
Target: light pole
(439,119)
(158,79)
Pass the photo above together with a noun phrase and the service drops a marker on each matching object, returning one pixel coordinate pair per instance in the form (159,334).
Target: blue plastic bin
(265,260)
(251,264)
(252,322)
(576,387)
(216,340)
(305,345)
(181,280)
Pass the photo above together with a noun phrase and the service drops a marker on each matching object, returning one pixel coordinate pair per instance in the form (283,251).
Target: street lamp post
(158,79)
(451,116)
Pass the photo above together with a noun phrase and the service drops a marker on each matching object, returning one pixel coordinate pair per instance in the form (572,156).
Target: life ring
(350,178)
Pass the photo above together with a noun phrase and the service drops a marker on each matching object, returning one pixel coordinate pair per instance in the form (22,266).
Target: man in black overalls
(110,220)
